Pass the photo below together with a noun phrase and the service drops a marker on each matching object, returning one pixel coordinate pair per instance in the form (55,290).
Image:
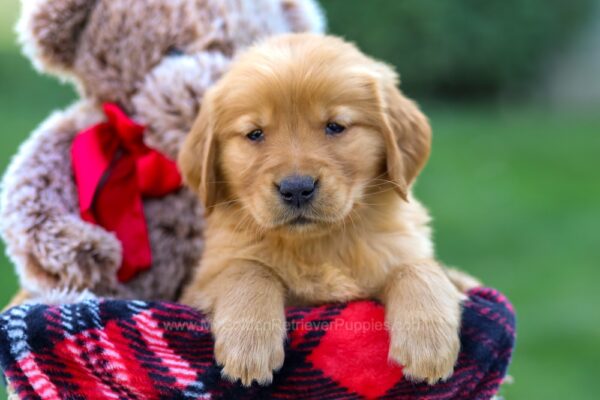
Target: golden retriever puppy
(304,155)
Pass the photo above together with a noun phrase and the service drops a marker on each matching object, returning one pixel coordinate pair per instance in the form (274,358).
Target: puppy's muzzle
(297,191)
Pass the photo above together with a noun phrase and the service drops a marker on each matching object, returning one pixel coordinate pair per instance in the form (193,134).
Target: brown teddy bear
(148,63)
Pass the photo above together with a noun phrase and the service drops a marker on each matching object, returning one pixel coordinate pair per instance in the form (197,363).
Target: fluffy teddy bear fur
(155,58)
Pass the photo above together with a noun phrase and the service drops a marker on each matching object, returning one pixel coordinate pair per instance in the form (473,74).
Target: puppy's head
(300,131)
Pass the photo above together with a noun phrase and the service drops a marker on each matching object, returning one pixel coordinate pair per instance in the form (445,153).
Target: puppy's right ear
(49,31)
(197,157)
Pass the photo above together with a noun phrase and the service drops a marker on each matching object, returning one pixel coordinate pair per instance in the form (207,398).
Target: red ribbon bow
(114,170)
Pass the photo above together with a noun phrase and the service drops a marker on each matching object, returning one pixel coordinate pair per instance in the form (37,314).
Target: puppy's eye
(256,135)
(174,51)
(333,128)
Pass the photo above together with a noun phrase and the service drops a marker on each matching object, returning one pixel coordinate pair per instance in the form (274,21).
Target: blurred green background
(512,88)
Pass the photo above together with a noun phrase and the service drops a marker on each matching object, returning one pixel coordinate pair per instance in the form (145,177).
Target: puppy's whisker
(376,185)
(394,184)
(379,176)
(363,204)
(224,203)
(376,189)
(352,221)
(234,216)
(375,192)
(381,182)
(372,191)
(243,224)
(219,181)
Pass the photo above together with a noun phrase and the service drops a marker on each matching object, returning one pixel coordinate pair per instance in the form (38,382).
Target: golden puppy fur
(363,235)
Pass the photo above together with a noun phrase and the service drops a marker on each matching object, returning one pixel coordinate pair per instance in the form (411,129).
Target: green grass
(516,201)
(515,195)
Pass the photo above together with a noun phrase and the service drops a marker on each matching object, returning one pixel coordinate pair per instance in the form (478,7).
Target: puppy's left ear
(197,158)
(406,131)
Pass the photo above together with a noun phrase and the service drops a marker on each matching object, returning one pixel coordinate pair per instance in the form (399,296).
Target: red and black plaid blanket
(143,350)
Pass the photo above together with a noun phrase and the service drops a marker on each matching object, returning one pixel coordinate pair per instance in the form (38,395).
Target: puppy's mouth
(307,220)
(300,220)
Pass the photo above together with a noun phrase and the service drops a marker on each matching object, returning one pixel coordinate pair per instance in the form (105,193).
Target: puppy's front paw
(427,350)
(250,355)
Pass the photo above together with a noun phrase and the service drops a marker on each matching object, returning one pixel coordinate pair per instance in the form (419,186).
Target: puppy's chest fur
(344,266)
(326,271)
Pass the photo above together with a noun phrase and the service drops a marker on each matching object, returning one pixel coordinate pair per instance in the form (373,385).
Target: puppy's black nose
(297,191)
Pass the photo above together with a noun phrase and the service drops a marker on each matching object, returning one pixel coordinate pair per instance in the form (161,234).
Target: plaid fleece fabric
(157,350)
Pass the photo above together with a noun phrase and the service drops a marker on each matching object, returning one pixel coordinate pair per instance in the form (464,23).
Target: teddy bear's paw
(81,255)
(250,355)
(427,350)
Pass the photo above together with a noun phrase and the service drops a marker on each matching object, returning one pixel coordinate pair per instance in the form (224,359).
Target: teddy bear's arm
(50,244)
